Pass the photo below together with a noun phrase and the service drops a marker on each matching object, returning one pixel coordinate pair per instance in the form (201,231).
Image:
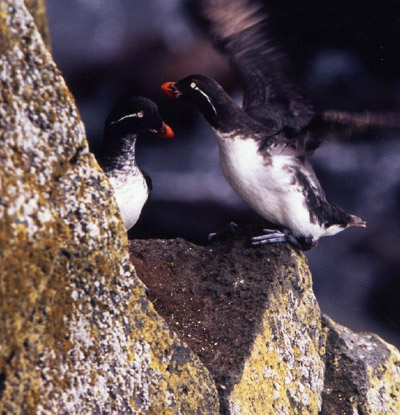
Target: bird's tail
(356,221)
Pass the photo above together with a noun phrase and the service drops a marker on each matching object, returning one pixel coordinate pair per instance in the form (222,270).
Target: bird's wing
(332,124)
(148,180)
(239,28)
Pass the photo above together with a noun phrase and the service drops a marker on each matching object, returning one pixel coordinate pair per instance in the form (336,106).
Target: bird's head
(135,116)
(202,92)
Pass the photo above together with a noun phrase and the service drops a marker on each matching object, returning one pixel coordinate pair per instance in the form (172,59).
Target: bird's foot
(228,229)
(271,236)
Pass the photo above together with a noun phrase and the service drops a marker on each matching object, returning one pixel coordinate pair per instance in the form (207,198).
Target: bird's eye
(140,114)
(193,85)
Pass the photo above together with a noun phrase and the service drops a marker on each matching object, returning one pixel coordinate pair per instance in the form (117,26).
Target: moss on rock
(77,333)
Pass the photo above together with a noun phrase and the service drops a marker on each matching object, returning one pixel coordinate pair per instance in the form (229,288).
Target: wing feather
(332,124)
(240,30)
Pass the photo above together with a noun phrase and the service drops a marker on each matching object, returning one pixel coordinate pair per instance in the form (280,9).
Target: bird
(126,122)
(264,145)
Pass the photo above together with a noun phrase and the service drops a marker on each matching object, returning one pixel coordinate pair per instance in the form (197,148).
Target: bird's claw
(274,236)
(229,228)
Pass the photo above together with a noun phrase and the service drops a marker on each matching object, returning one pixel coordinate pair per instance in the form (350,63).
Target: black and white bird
(263,147)
(125,123)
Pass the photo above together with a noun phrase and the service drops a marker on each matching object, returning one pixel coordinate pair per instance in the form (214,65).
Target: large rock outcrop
(77,333)
(251,316)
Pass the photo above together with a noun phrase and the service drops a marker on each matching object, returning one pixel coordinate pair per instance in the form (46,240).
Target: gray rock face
(362,373)
(77,334)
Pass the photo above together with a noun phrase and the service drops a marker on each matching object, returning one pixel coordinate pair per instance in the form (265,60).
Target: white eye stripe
(194,86)
(139,114)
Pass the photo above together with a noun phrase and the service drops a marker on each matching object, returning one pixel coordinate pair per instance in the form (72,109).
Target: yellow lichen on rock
(284,370)
(253,319)
(77,333)
(249,313)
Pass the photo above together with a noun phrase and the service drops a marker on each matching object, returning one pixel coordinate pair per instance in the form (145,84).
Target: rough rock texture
(362,373)
(251,316)
(77,334)
(249,313)
(37,9)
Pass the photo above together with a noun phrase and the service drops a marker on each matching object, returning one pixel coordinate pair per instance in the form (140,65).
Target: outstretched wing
(363,120)
(331,124)
(239,28)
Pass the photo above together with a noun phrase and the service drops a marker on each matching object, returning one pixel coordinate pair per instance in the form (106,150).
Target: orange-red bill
(166,131)
(169,89)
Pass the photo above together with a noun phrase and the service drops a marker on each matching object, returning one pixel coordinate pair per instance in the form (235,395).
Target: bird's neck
(224,115)
(119,155)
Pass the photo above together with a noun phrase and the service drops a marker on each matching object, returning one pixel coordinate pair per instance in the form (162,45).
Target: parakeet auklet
(263,146)
(125,123)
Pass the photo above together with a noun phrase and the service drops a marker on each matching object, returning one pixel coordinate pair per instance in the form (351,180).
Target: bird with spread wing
(264,145)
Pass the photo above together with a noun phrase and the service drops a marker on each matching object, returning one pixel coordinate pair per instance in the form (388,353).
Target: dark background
(346,56)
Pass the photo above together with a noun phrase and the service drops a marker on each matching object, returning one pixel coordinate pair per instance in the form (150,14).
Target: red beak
(166,131)
(169,89)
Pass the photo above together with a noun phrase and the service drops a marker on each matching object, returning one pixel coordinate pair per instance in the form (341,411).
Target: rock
(362,375)
(77,333)
(37,8)
(251,316)
(248,312)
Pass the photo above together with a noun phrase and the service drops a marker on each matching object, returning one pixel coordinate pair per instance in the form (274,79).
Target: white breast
(268,186)
(131,193)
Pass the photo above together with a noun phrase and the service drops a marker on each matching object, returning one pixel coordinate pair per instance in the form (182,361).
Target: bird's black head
(133,117)
(204,93)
